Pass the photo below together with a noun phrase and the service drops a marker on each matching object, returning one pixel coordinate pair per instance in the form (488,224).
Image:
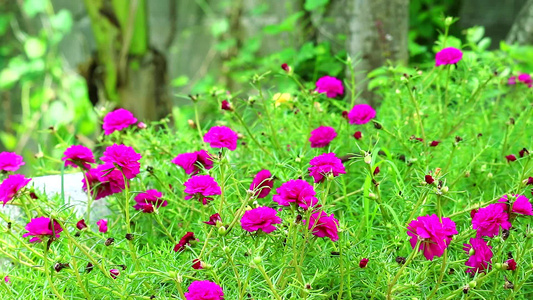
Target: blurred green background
(64,63)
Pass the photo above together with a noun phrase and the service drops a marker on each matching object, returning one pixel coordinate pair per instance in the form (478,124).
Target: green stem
(250,133)
(269,281)
(47,272)
(442,269)
(395,279)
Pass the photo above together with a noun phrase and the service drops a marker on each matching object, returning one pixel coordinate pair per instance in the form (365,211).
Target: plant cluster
(303,195)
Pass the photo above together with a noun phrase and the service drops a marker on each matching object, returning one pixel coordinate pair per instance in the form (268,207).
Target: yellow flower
(282,98)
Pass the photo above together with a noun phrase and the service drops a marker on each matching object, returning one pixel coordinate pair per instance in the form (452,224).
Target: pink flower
(261,218)
(104,180)
(184,241)
(525,79)
(480,255)
(41,227)
(81,224)
(10,161)
(435,236)
(358,135)
(510,158)
(323,225)
(197,264)
(78,155)
(322,136)
(330,85)
(488,220)
(361,114)
(204,290)
(7,280)
(114,273)
(226,105)
(141,125)
(11,186)
(520,206)
(118,120)
(147,200)
(214,219)
(429,179)
(448,56)
(102,225)
(221,137)
(296,191)
(324,165)
(363,262)
(511,264)
(511,80)
(262,184)
(125,158)
(193,162)
(200,186)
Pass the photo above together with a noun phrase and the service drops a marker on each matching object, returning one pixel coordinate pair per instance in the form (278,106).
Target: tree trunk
(522,30)
(377,32)
(126,71)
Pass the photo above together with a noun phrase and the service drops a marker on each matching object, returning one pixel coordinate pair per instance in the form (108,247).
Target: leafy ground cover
(295,195)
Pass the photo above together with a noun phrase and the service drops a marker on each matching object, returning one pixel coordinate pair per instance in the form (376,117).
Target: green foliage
(34,75)
(471,110)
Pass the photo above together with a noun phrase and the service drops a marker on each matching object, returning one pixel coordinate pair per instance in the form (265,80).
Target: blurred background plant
(59,59)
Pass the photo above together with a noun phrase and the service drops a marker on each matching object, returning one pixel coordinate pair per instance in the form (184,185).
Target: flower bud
(448,21)
(472,284)
(368,158)
(498,266)
(372,196)
(445,189)
(257,260)
(471,251)
(222,230)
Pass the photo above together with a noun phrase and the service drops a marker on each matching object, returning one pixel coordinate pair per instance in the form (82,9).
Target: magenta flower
(118,120)
(520,206)
(200,186)
(104,180)
(325,164)
(296,191)
(322,136)
(510,157)
(448,56)
(488,220)
(10,161)
(361,114)
(330,85)
(323,225)
(262,184)
(193,162)
(114,273)
(40,228)
(78,156)
(511,264)
(102,225)
(10,187)
(197,264)
(261,218)
(81,224)
(7,280)
(221,137)
(435,236)
(525,79)
(480,255)
(147,200)
(125,158)
(185,240)
(214,219)
(204,290)
(363,262)
(225,105)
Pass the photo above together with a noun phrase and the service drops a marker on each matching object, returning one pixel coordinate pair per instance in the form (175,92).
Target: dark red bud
(434,144)
(429,179)
(510,157)
(363,263)
(358,135)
